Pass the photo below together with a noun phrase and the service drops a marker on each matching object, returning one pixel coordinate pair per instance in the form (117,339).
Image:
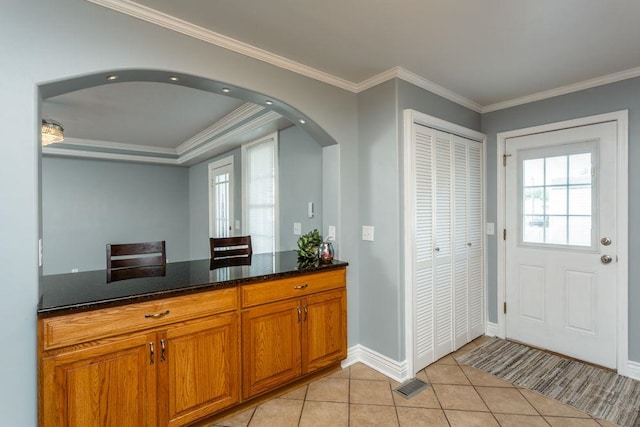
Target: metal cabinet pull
(163,351)
(306,285)
(151,354)
(299,314)
(306,312)
(156,315)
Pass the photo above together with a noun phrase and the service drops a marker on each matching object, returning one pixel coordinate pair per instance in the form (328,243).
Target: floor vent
(410,388)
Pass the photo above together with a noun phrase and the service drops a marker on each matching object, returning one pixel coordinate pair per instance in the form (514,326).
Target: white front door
(221,198)
(561,241)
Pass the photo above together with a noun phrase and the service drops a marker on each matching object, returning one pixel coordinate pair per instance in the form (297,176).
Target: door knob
(605,241)
(605,259)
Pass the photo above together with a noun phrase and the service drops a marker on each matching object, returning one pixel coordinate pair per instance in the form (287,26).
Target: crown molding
(79,143)
(156,17)
(153,16)
(98,155)
(244,112)
(586,84)
(238,132)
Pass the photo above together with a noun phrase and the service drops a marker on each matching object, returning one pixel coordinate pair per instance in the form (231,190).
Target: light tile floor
(458,396)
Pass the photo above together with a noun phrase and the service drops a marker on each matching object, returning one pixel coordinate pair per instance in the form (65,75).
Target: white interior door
(561,241)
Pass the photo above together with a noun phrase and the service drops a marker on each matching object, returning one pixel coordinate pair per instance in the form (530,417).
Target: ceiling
(486,55)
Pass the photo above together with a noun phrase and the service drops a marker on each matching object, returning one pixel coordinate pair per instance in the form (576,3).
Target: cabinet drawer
(292,287)
(75,328)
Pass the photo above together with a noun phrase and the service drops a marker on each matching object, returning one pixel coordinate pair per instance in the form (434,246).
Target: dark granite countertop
(62,293)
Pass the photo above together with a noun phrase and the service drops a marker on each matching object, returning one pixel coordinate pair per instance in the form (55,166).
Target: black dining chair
(130,260)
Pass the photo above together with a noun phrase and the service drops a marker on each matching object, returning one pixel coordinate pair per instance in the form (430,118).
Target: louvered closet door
(448,277)
(443,248)
(423,287)
(467,232)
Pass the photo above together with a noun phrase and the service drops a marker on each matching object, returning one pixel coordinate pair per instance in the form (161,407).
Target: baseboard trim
(492,329)
(633,370)
(393,369)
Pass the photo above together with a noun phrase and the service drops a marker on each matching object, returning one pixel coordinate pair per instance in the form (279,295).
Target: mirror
(134,167)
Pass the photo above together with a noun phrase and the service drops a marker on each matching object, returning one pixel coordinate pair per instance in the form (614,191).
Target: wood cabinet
(173,361)
(165,373)
(302,332)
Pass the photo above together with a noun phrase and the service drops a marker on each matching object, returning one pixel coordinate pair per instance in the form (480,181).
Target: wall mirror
(134,165)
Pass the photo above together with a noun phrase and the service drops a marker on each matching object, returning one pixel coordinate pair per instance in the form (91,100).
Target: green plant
(308,246)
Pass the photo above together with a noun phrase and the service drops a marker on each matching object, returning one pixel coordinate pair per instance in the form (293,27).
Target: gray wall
(380,128)
(603,99)
(300,182)
(89,203)
(98,39)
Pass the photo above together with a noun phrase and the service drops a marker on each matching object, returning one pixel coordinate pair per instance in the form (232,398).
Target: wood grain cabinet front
(170,375)
(285,340)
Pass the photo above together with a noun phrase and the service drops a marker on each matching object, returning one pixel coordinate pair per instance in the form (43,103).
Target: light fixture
(112,77)
(302,121)
(52,131)
(174,78)
(268,102)
(226,90)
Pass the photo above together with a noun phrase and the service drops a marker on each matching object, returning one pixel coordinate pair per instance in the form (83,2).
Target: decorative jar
(325,252)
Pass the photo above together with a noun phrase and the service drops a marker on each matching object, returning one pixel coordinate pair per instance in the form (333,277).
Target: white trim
(563,90)
(204,149)
(622,266)
(492,329)
(633,370)
(178,25)
(393,369)
(411,117)
(110,145)
(243,112)
(211,168)
(421,82)
(97,155)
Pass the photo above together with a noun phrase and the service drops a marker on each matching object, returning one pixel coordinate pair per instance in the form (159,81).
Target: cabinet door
(324,336)
(199,369)
(270,346)
(110,385)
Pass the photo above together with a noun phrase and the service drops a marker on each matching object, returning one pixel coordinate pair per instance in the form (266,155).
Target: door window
(557,195)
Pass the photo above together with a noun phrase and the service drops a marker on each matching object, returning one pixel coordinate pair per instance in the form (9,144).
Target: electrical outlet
(297,228)
(367,232)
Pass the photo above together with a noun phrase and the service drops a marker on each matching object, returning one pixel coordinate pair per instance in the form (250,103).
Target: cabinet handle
(163,351)
(299,315)
(156,315)
(151,354)
(306,285)
(306,312)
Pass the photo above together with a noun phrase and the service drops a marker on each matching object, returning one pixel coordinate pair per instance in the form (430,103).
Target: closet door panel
(443,250)
(475,236)
(461,248)
(423,301)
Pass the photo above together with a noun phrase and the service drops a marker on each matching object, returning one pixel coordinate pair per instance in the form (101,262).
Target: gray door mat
(410,388)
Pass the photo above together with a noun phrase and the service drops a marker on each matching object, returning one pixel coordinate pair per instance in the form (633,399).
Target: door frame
(211,167)
(621,118)
(408,189)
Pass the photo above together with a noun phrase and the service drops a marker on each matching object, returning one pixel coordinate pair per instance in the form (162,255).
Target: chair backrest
(230,247)
(129,256)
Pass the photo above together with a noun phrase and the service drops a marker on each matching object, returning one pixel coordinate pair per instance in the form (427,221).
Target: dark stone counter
(62,293)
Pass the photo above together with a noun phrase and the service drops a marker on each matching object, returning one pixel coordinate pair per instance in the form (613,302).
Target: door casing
(622,266)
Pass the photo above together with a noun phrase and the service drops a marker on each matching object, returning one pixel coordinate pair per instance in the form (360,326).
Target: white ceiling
(488,51)
(485,54)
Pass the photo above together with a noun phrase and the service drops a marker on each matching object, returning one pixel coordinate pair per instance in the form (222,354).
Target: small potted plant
(308,248)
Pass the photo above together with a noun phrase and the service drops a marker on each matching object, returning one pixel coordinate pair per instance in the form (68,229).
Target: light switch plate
(297,228)
(367,232)
(331,234)
(491,228)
